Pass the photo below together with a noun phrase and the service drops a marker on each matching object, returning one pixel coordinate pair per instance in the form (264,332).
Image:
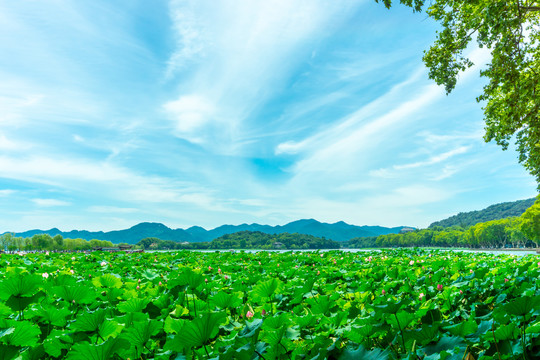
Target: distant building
(278,245)
(407,230)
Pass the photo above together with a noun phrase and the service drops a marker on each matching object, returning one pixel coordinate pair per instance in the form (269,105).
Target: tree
(511,31)
(530,222)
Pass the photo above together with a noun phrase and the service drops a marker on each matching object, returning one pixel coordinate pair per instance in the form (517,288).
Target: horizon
(206,229)
(204,113)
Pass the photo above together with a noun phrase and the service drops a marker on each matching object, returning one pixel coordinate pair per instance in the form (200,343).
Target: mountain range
(493,212)
(339,231)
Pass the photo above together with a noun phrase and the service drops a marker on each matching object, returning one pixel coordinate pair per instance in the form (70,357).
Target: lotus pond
(402,304)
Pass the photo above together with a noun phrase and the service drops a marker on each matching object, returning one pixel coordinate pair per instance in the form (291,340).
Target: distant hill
(339,231)
(493,212)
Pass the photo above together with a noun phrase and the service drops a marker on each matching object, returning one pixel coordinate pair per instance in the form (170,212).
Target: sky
(210,112)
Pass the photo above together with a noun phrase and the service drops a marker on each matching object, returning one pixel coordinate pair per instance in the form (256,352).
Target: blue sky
(213,112)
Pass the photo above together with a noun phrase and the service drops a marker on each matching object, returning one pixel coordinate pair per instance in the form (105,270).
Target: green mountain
(493,212)
(339,231)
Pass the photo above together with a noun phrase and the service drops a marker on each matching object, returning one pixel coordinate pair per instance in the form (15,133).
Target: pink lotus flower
(439,287)
(471,271)
(421,296)
(411,262)
(259,263)
(72,272)
(103,263)
(159,283)
(461,292)
(383,292)
(138,287)
(249,314)
(219,270)
(318,272)
(73,258)
(226,277)
(45,275)
(506,280)
(206,281)
(263,312)
(139,281)
(89,275)
(209,268)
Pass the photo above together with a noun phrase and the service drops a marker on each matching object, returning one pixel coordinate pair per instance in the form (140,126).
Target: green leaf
(54,316)
(266,289)
(23,285)
(463,329)
(362,353)
(56,342)
(89,321)
(78,293)
(104,351)
(140,332)
(133,305)
(24,333)
(173,326)
(108,281)
(224,301)
(523,305)
(8,352)
(200,330)
(110,328)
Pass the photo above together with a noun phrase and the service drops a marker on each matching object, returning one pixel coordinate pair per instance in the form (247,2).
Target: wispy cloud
(50,202)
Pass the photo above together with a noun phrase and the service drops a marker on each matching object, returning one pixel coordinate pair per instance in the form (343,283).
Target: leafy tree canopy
(510,29)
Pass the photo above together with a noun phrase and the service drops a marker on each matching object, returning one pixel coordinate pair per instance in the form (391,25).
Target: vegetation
(45,242)
(406,304)
(510,232)
(247,240)
(510,30)
(493,212)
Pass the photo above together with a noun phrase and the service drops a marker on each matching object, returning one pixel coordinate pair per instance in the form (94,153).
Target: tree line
(46,242)
(523,231)
(247,240)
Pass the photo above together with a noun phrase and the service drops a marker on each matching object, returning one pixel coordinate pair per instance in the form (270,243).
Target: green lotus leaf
(89,321)
(425,335)
(104,351)
(277,321)
(19,303)
(78,293)
(108,281)
(463,328)
(149,274)
(8,352)
(110,328)
(54,316)
(251,328)
(523,305)
(404,318)
(506,332)
(23,285)
(320,304)
(34,353)
(133,305)
(362,353)
(199,331)
(446,343)
(140,333)
(24,333)
(173,326)
(266,289)
(57,341)
(224,301)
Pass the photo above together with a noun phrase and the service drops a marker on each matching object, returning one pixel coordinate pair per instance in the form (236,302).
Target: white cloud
(50,202)
(191,113)
(6,192)
(434,159)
